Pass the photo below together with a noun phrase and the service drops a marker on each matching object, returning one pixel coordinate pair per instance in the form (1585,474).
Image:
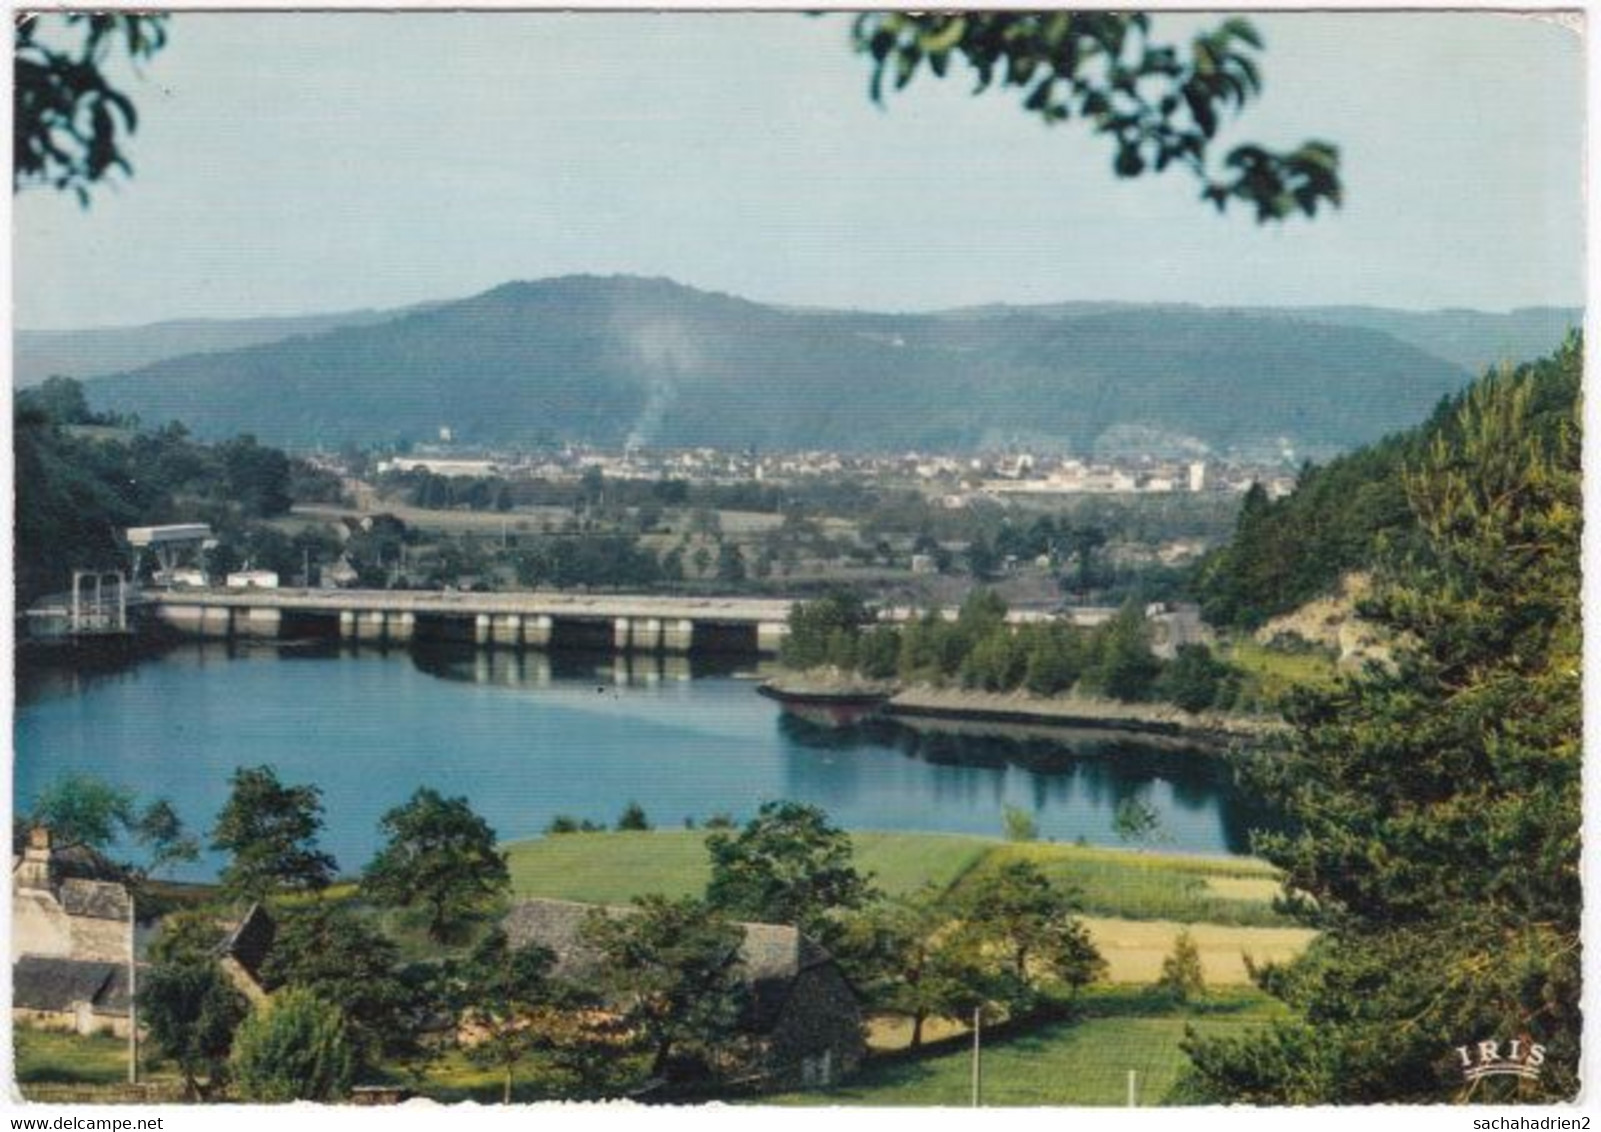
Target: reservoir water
(526,737)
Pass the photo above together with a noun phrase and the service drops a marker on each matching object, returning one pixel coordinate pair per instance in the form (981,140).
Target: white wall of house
(82,1019)
(39,926)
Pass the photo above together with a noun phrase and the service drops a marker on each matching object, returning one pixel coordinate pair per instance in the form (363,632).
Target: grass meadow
(1134,904)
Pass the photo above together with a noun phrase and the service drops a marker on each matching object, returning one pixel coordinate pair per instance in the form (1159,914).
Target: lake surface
(527,737)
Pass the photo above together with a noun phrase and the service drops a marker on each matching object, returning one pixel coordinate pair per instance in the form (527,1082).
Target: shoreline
(925,704)
(1234,864)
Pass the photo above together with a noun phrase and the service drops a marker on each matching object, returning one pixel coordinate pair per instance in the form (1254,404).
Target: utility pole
(978,1025)
(133,992)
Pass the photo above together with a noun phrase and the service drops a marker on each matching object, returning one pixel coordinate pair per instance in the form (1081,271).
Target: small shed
(244,949)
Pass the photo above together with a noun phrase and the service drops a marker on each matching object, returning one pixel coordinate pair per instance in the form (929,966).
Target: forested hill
(618,360)
(1345,515)
(94,352)
(1474,340)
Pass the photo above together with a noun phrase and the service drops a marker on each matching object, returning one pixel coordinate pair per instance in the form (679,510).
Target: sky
(292,163)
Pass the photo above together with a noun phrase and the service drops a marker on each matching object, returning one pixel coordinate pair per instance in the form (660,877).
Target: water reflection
(529,735)
(1086,774)
(534,669)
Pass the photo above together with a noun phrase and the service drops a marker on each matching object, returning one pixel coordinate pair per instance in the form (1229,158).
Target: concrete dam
(623,623)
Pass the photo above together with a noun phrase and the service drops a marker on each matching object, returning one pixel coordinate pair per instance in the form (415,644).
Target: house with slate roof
(58,910)
(72,938)
(86,996)
(803,1019)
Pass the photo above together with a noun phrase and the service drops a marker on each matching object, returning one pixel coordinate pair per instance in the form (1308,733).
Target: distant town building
(441,466)
(1175,625)
(253,580)
(1179,551)
(174,546)
(339,574)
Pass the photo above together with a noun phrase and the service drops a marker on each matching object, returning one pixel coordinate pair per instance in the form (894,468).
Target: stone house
(803,1018)
(72,938)
(73,935)
(84,996)
(58,908)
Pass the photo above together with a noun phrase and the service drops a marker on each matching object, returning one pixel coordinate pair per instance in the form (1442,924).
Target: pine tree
(1436,803)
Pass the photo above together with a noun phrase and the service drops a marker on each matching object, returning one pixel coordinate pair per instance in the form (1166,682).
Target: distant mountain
(38,354)
(1473,340)
(625,360)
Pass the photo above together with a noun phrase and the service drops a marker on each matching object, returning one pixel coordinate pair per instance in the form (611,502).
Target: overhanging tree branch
(1160,105)
(68,119)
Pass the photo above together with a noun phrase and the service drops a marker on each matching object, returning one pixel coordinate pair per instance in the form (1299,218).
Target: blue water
(525,740)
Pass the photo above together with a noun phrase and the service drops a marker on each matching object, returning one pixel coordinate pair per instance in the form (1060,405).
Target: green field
(1151,886)
(901,862)
(616,867)
(1084,1062)
(611,868)
(47,1055)
(53,1067)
